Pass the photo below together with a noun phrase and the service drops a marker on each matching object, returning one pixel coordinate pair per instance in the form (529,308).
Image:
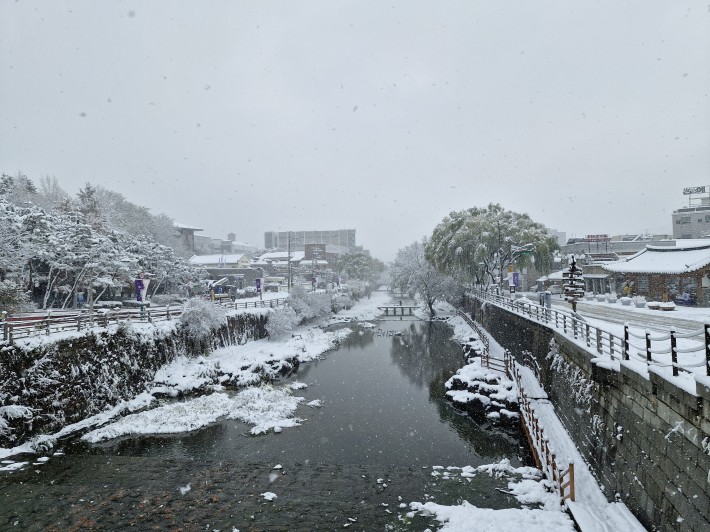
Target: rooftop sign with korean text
(597,238)
(695,190)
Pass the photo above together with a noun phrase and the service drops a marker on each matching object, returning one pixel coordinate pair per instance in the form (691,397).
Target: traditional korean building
(679,273)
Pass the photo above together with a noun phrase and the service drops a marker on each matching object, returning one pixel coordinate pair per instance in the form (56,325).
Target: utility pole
(290,281)
(500,262)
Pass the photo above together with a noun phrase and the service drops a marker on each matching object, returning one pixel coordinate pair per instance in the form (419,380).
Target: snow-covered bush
(339,302)
(298,301)
(13,298)
(250,290)
(12,412)
(639,299)
(200,317)
(281,321)
(308,305)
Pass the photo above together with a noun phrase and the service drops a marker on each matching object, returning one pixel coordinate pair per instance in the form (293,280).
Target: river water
(383,416)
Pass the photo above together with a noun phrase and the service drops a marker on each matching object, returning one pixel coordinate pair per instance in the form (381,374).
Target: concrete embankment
(49,382)
(646,438)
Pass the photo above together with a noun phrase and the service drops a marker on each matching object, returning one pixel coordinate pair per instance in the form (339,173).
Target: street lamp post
(290,239)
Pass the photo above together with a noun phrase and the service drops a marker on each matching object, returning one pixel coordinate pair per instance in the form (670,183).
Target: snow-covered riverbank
(253,363)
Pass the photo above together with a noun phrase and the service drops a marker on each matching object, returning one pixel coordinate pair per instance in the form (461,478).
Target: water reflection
(427,355)
(384,403)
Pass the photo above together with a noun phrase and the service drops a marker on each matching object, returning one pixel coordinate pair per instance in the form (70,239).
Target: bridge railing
(27,325)
(659,350)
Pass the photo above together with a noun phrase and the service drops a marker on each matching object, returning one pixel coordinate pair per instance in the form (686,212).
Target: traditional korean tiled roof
(664,260)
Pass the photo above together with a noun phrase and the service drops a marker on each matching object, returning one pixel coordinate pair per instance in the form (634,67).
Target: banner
(515,279)
(258,285)
(313,282)
(141,289)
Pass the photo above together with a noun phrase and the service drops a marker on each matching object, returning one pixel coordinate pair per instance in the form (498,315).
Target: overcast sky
(252,116)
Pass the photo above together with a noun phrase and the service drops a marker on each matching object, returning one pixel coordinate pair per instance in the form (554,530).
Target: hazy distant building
(187,235)
(604,247)
(561,236)
(693,221)
(340,237)
(206,245)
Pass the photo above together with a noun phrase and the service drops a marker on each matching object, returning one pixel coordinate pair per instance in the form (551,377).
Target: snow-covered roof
(185,226)
(678,259)
(296,256)
(556,276)
(216,259)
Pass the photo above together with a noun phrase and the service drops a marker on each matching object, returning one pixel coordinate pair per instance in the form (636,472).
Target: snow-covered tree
(280,322)
(411,273)
(481,242)
(71,246)
(50,195)
(17,189)
(361,272)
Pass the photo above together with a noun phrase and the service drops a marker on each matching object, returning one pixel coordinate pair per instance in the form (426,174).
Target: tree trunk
(431,307)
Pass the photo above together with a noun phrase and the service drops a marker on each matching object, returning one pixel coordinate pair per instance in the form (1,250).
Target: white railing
(606,343)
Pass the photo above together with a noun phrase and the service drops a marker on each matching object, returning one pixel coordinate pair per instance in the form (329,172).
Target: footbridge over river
(401,309)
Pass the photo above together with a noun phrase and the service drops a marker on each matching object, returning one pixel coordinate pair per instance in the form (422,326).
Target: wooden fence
(26,325)
(543,452)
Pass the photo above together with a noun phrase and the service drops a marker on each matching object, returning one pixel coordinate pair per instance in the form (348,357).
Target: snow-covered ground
(610,318)
(530,489)
(682,318)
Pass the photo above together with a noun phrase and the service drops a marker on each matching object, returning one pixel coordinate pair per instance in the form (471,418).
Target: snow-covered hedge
(339,302)
(200,317)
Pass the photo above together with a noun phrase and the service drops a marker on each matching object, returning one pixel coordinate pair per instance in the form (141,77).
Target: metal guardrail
(606,343)
(23,326)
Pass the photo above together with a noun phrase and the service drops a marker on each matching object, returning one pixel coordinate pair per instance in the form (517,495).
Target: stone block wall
(646,440)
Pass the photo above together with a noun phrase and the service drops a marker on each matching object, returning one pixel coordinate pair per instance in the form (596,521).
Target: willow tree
(480,243)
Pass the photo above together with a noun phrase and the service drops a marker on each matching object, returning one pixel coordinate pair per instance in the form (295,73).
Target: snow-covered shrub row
(303,306)
(167,299)
(340,301)
(281,321)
